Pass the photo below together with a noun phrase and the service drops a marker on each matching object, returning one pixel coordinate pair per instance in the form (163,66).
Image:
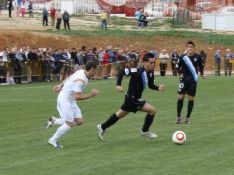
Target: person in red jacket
(105,58)
(52,15)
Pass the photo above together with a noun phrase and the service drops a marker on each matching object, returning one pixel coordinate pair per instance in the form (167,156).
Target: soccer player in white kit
(70,91)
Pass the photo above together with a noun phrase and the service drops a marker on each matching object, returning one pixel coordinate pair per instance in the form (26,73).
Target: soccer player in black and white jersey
(140,78)
(187,66)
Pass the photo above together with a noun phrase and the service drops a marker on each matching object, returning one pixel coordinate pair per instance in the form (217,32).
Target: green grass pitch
(209,149)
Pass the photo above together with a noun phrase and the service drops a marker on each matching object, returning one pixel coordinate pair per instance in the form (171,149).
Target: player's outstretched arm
(81,96)
(58,87)
(161,87)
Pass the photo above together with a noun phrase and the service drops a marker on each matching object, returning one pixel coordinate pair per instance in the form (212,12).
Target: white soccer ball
(179,137)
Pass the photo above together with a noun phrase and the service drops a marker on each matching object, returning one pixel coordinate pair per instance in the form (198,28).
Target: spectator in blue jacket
(217,58)
(45,17)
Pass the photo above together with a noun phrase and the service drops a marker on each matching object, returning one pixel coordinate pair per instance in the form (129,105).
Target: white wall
(78,6)
(68,5)
(222,22)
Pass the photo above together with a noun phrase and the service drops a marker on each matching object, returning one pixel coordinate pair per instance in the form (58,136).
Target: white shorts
(68,111)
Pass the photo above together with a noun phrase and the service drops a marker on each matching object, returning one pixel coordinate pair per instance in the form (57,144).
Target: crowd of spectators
(25,64)
(56,15)
(228,60)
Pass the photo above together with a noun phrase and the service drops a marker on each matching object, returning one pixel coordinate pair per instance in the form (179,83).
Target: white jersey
(75,83)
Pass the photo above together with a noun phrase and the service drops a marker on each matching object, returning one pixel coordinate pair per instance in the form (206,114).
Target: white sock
(58,121)
(60,132)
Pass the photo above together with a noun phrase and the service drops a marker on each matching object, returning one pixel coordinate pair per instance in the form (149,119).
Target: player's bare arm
(82,96)
(119,88)
(58,87)
(161,87)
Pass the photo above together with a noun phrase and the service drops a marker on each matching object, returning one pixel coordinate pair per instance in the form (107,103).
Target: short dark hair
(83,47)
(91,64)
(147,56)
(191,43)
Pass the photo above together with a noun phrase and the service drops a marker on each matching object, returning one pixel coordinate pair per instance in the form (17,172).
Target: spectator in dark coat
(45,17)
(66,18)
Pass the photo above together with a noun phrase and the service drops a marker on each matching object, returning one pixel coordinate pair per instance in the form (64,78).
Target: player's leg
(63,129)
(191,94)
(79,121)
(180,103)
(113,119)
(67,113)
(57,121)
(54,121)
(128,106)
(149,118)
(181,91)
(189,108)
(78,116)
(109,122)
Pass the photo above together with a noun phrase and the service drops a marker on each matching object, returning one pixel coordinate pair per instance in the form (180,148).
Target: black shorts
(132,104)
(187,86)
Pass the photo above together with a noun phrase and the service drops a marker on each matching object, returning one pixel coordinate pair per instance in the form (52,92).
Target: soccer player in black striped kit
(140,77)
(187,66)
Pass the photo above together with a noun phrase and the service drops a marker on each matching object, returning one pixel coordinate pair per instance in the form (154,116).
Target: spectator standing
(66,18)
(163,56)
(74,56)
(18,66)
(30,9)
(33,60)
(81,56)
(52,15)
(57,65)
(3,71)
(30,56)
(217,58)
(90,56)
(154,52)
(203,56)
(174,59)
(45,17)
(138,14)
(58,15)
(103,17)
(10,5)
(227,64)
(22,8)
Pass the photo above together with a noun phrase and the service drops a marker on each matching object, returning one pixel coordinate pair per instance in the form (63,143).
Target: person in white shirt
(163,56)
(70,91)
